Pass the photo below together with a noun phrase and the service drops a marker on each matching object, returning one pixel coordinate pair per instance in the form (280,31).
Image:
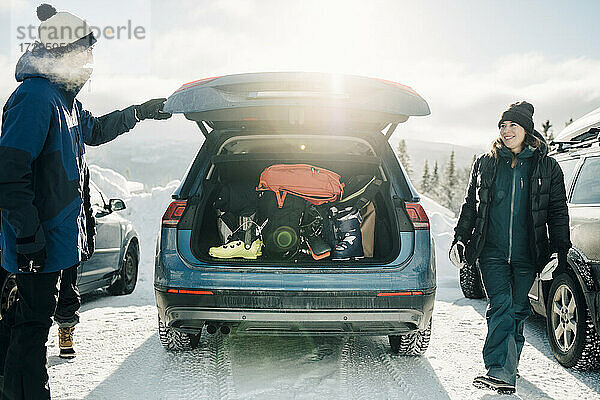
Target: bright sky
(468,59)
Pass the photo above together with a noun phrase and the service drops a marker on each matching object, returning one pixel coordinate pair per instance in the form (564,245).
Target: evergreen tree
(434,185)
(426,179)
(546,132)
(450,184)
(404,157)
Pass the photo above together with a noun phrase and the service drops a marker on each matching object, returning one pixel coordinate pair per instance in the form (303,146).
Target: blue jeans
(507,286)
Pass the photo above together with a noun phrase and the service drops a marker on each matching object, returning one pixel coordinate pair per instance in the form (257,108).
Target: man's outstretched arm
(100,130)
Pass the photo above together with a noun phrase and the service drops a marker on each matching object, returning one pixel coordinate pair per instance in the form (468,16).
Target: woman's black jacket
(548,213)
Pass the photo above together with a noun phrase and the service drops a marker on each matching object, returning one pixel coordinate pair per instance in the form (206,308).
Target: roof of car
(590,148)
(580,126)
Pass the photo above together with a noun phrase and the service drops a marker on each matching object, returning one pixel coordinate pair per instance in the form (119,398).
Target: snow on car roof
(579,126)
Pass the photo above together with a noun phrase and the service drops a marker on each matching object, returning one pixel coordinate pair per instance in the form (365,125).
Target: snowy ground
(120,357)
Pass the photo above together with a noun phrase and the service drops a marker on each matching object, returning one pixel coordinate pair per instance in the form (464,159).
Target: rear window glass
(568,168)
(587,187)
(294,144)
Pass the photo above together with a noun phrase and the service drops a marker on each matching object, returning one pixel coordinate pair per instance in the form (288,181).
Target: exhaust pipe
(211,328)
(225,329)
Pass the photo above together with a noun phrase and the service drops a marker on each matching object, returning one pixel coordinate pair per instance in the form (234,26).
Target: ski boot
(347,227)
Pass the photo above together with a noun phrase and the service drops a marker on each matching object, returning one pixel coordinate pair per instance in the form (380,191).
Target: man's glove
(31,252)
(151,109)
(32,262)
(457,254)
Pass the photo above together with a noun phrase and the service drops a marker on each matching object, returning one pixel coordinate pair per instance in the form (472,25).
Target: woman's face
(512,135)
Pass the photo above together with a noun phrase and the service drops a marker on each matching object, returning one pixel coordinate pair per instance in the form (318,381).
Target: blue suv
(340,123)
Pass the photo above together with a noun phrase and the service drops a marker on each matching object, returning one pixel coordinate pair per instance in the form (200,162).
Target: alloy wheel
(564,317)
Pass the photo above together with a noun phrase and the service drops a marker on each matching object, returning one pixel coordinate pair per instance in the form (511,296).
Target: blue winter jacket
(42,166)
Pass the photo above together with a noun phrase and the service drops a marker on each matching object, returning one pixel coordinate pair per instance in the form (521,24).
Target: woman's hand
(457,254)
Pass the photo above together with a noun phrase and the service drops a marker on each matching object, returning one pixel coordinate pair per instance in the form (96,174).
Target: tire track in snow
(225,372)
(367,371)
(213,355)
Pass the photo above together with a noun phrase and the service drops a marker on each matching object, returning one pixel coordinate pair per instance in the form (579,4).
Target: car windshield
(296,144)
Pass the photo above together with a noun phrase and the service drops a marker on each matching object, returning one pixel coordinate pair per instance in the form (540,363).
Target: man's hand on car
(457,254)
(152,109)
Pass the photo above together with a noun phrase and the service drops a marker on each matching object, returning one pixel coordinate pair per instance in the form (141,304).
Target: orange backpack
(316,185)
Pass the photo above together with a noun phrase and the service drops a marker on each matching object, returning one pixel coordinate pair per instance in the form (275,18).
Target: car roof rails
(586,139)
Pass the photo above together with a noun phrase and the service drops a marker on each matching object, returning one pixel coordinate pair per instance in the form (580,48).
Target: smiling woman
(516,196)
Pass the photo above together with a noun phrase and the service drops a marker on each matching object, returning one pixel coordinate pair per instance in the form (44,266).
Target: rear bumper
(328,313)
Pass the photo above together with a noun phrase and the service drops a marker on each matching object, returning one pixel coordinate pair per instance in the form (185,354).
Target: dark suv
(253,121)
(570,298)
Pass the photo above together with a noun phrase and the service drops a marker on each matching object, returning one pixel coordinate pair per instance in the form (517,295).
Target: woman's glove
(562,259)
(457,254)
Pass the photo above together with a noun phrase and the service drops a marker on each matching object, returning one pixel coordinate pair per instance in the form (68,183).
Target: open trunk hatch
(295,98)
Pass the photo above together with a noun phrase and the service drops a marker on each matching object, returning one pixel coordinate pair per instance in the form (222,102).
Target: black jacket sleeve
(26,121)
(558,212)
(103,129)
(468,212)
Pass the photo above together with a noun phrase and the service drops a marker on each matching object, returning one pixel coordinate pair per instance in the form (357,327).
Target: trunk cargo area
(380,226)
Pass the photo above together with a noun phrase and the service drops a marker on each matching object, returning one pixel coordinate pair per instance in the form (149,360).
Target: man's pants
(69,301)
(507,286)
(24,332)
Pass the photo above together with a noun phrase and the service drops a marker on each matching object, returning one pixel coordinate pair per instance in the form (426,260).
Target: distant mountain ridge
(420,150)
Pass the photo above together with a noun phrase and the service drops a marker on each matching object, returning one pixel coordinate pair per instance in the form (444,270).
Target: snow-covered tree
(546,132)
(449,186)
(426,179)
(404,157)
(435,182)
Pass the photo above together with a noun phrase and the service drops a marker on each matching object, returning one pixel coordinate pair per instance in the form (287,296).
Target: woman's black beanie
(521,113)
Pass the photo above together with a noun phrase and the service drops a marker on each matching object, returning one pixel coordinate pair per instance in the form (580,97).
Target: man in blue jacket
(44,189)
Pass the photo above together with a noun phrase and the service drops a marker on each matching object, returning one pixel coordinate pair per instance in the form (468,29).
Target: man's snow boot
(489,382)
(349,246)
(65,342)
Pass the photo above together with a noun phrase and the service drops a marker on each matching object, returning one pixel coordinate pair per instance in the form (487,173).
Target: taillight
(417,215)
(196,83)
(401,86)
(174,213)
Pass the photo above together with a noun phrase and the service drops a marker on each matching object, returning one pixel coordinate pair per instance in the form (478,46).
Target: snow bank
(442,222)
(144,210)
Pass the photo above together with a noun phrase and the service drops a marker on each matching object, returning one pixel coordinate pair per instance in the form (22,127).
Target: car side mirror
(116,205)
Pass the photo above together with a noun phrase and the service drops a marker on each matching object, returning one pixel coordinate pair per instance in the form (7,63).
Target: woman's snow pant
(507,286)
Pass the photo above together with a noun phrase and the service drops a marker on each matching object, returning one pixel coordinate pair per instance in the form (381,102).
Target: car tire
(8,293)
(571,333)
(174,340)
(411,344)
(470,282)
(127,278)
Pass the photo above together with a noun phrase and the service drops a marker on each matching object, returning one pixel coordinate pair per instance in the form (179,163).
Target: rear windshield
(290,144)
